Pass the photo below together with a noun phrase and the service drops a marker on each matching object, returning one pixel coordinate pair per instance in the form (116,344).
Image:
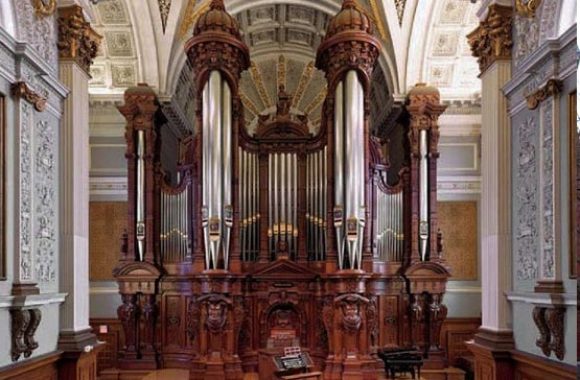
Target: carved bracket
(550,323)
(22,90)
(551,88)
(24,324)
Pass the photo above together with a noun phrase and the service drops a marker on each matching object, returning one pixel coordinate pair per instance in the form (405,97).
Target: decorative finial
(217,4)
(349,4)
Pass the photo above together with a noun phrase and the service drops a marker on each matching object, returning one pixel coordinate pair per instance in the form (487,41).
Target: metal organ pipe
(339,172)
(140,220)
(423,196)
(217,169)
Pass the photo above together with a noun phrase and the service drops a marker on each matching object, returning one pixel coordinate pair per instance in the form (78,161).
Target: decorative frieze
(76,39)
(526,198)
(45,179)
(39,32)
(26,259)
(547,212)
(492,40)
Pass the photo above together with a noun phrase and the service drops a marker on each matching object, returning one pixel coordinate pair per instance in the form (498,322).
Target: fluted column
(77,47)
(491,43)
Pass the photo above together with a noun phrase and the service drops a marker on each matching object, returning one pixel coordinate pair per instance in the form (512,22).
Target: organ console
(334,233)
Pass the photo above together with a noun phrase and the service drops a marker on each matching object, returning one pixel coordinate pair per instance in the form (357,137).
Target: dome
(217,19)
(350,18)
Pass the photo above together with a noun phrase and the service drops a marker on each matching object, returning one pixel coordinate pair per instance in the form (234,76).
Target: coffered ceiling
(423,41)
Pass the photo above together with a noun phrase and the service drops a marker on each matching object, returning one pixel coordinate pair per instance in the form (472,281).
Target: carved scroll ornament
(22,90)
(551,88)
(24,324)
(550,323)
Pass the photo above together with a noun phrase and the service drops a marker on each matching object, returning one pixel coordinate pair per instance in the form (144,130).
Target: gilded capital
(76,39)
(492,40)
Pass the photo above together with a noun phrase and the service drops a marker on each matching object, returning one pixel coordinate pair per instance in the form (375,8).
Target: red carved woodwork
(221,323)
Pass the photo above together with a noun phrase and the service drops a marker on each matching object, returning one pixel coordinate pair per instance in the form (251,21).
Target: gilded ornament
(44,7)
(551,88)
(492,39)
(527,8)
(21,90)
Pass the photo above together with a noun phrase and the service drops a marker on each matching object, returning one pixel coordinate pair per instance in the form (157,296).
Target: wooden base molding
(532,367)
(43,367)
(491,351)
(76,341)
(80,365)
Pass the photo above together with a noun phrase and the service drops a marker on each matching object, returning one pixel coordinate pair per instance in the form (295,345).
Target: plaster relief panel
(548,232)
(453,12)
(97,76)
(26,259)
(299,37)
(265,37)
(527,35)
(45,180)
(526,200)
(39,32)
(301,15)
(112,13)
(123,75)
(445,44)
(119,44)
(440,75)
(262,15)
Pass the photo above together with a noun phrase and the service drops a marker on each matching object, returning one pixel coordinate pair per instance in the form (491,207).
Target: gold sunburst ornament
(527,8)
(44,7)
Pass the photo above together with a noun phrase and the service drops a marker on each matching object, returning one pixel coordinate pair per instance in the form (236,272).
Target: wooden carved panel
(390,321)
(458,223)
(173,333)
(454,333)
(110,332)
(107,220)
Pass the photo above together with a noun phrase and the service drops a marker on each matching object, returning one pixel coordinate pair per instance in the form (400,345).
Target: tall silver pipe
(276,222)
(227,183)
(140,222)
(339,172)
(270,202)
(423,196)
(295,208)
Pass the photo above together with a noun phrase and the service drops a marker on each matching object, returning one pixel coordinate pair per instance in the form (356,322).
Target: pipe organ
(282,233)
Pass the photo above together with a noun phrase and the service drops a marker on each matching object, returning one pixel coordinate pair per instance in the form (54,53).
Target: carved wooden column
(137,273)
(491,43)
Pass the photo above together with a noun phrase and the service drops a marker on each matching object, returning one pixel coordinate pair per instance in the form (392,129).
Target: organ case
(328,237)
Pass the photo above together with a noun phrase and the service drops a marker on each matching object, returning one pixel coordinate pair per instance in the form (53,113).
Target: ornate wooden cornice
(76,39)
(551,88)
(492,39)
(22,90)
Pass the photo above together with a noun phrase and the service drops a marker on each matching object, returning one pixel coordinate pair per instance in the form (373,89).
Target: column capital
(77,40)
(492,39)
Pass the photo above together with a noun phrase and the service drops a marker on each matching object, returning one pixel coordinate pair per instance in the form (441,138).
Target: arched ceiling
(423,41)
